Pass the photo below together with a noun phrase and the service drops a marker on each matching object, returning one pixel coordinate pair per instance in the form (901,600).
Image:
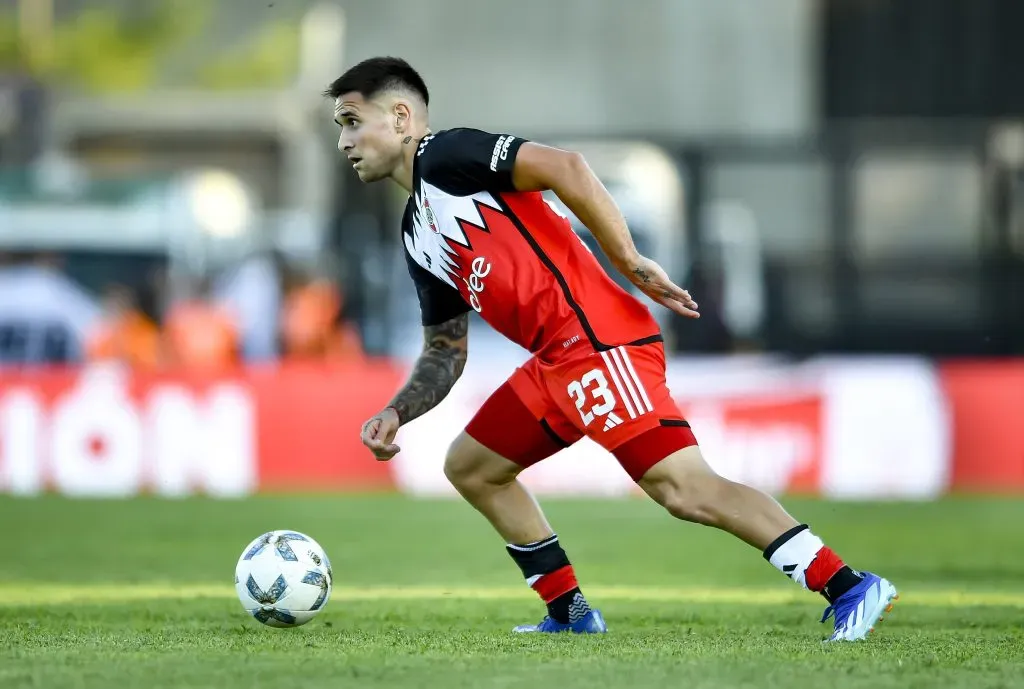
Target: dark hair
(376,75)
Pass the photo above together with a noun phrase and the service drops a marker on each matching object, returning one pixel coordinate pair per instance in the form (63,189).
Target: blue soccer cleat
(858,610)
(591,623)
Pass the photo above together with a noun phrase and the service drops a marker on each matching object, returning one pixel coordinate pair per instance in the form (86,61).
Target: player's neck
(403,175)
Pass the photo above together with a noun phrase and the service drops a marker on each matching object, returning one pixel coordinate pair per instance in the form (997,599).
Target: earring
(406,140)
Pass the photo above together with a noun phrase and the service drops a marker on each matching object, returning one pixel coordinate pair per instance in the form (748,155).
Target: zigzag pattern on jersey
(440,218)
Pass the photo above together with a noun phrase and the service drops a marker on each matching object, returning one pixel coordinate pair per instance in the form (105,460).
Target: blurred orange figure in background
(198,333)
(124,334)
(309,324)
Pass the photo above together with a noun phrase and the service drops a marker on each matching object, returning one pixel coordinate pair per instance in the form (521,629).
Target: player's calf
(690,490)
(489,482)
(685,485)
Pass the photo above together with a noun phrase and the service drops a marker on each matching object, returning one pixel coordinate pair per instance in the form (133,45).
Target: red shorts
(617,398)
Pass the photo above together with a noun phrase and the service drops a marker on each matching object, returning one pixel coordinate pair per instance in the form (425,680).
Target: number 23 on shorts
(594,398)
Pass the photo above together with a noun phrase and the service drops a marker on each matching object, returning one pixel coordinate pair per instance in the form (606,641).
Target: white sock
(793,552)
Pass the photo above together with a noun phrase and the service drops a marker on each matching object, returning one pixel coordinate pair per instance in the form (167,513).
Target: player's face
(368,137)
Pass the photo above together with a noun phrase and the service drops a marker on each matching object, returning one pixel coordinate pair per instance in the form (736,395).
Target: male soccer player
(478,235)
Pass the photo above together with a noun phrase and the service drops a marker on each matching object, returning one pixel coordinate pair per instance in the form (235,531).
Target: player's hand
(379,434)
(649,277)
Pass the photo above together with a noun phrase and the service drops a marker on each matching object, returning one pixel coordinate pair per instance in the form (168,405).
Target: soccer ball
(283,578)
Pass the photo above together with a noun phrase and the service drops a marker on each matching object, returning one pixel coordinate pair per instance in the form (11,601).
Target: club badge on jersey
(431,220)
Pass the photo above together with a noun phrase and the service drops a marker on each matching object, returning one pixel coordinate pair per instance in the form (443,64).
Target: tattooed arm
(439,365)
(445,348)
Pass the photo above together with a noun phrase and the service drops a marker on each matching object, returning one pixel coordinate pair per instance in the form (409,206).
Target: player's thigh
(516,427)
(621,401)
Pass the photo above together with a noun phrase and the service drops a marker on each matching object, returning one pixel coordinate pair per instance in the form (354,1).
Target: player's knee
(472,468)
(687,488)
(458,466)
(692,503)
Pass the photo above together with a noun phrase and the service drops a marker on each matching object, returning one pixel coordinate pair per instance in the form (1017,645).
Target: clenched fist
(379,434)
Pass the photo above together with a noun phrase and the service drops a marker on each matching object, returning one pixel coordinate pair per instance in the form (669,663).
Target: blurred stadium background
(198,297)
(841,183)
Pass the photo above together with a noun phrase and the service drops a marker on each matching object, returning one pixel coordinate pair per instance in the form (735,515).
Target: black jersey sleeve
(465,161)
(438,302)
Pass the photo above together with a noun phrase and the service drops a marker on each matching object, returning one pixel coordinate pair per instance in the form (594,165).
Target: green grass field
(139,594)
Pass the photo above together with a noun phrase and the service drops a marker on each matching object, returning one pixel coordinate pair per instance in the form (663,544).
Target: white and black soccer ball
(283,578)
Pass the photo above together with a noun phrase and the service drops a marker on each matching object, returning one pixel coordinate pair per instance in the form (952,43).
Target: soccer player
(478,235)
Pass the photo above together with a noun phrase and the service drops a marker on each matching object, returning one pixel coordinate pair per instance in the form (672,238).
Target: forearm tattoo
(438,367)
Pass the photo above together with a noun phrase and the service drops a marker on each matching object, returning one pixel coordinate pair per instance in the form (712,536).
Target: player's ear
(402,117)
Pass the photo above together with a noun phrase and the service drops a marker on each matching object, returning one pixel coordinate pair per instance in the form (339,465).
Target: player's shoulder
(448,143)
(464,160)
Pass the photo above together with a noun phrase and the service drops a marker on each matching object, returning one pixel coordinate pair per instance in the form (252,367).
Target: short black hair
(376,75)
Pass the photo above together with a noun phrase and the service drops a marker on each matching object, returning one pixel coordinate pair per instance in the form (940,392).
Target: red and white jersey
(473,241)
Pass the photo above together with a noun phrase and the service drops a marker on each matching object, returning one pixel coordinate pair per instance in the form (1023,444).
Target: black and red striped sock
(548,572)
(802,556)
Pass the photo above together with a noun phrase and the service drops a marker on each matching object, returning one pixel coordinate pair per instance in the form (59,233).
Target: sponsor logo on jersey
(500,151)
(481,268)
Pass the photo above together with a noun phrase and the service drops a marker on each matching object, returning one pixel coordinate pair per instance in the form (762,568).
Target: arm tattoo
(438,367)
